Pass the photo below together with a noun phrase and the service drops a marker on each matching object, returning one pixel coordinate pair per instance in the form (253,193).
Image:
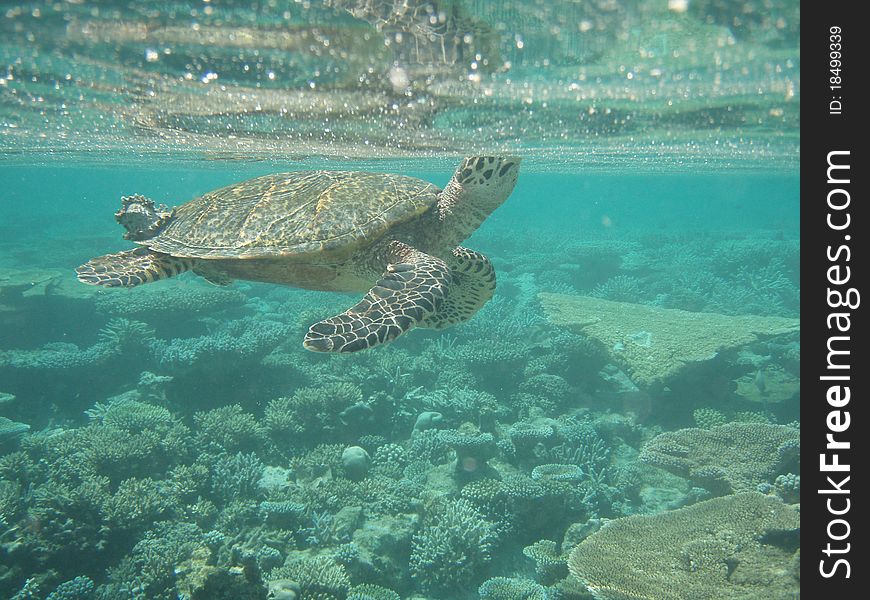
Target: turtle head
(141,217)
(479,186)
(483,182)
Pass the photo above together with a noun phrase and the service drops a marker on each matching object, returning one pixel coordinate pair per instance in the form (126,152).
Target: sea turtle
(390,235)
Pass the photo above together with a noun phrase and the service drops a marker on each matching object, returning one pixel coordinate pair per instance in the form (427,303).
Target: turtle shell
(292,214)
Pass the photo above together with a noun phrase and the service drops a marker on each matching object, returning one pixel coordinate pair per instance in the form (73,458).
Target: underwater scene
(400,300)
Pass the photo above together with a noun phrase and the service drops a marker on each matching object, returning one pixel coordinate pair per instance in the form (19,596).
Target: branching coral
(229,429)
(311,411)
(707,417)
(150,570)
(318,578)
(80,588)
(622,288)
(237,476)
(247,339)
(458,405)
(137,503)
(452,549)
(126,335)
(713,549)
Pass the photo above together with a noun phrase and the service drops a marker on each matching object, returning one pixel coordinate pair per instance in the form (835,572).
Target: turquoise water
(638,364)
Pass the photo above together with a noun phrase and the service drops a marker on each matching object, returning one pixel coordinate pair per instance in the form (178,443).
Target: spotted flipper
(407,294)
(473,285)
(131,268)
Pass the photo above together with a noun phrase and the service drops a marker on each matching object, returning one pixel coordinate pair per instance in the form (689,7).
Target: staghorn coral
(728,458)
(720,548)
(553,389)
(76,455)
(428,446)
(496,364)
(282,513)
(10,502)
(452,549)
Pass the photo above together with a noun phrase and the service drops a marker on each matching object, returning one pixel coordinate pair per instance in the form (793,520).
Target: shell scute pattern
(294,213)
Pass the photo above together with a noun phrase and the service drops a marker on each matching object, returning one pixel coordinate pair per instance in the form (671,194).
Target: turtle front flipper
(408,293)
(131,268)
(473,286)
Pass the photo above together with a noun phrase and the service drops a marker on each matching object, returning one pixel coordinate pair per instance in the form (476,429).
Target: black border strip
(833,223)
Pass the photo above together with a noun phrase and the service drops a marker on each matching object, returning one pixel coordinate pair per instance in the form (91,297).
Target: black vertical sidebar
(834,367)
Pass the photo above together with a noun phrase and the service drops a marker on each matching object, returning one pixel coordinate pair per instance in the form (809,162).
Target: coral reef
(719,548)
(177,443)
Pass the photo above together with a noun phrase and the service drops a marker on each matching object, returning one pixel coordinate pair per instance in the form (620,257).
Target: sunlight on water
(600,85)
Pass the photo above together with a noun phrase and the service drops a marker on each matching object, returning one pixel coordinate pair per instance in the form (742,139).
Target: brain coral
(729,458)
(715,550)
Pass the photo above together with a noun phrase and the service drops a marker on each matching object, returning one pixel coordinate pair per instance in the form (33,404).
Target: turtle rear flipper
(473,286)
(408,293)
(131,268)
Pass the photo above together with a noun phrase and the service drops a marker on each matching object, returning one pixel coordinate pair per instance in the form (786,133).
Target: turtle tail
(131,268)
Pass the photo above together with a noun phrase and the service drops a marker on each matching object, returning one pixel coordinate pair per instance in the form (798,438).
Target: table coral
(156,301)
(549,563)
(511,588)
(729,458)
(718,549)
(368,591)
(655,344)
